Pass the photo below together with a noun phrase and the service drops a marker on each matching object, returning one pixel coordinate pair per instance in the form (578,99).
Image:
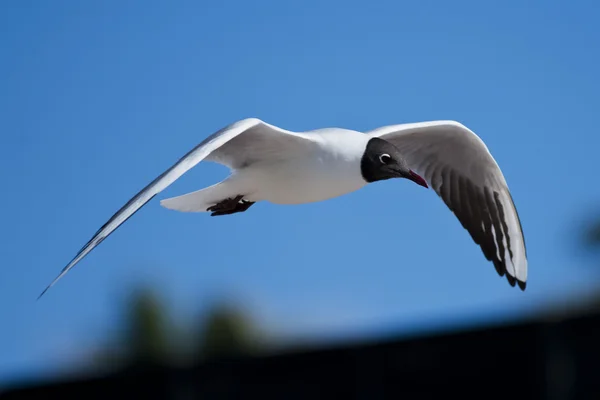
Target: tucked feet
(230,206)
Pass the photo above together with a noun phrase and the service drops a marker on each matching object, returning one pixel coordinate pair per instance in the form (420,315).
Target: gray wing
(461,170)
(237,144)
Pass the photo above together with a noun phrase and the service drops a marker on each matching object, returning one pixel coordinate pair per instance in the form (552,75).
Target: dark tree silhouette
(592,235)
(145,336)
(226,332)
(148,329)
(150,337)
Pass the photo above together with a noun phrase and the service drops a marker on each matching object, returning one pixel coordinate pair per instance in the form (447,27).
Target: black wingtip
(516,282)
(41,294)
(511,280)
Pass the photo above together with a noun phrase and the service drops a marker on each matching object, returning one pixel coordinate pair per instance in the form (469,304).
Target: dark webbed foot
(230,206)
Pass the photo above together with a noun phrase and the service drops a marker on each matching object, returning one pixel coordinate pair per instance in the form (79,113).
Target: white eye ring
(385,158)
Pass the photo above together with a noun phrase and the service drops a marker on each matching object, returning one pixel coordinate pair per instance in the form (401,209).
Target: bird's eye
(385,158)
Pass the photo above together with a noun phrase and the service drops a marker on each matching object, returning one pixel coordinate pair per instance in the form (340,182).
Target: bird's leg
(230,206)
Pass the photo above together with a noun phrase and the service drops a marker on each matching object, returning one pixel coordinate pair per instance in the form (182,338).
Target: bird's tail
(200,200)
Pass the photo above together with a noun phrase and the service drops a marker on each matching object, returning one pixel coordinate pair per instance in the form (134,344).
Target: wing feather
(215,145)
(461,170)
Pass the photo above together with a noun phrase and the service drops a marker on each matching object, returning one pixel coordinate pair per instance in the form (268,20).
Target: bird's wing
(461,170)
(260,143)
(254,140)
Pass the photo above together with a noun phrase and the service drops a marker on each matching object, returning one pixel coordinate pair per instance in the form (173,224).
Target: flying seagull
(271,164)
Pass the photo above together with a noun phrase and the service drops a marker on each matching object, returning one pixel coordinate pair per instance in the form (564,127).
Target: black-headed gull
(283,167)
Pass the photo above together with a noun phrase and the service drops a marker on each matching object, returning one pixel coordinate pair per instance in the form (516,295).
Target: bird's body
(283,167)
(321,171)
(325,177)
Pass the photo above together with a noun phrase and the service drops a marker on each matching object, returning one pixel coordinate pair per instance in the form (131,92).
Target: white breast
(332,170)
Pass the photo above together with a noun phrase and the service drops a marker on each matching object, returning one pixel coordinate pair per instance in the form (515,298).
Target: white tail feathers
(200,200)
(191,202)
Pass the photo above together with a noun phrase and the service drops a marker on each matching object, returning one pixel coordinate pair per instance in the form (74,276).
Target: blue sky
(99,98)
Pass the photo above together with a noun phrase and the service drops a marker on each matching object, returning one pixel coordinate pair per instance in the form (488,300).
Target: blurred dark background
(551,354)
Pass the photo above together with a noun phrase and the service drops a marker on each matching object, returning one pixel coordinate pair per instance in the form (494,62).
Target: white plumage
(279,166)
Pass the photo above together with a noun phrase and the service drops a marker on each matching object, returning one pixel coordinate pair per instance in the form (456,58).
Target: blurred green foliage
(227,332)
(151,338)
(592,234)
(148,329)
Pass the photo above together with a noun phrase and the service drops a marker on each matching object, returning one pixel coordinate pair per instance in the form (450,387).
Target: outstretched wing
(461,170)
(260,140)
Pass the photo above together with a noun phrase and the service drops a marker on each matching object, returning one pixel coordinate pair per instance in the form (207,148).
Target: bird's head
(382,160)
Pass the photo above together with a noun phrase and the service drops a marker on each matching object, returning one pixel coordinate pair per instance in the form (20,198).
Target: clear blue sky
(97,99)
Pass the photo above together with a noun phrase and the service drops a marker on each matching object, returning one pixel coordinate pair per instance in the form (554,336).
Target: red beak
(418,180)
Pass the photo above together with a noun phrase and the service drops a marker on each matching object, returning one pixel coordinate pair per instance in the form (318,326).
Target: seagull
(275,165)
